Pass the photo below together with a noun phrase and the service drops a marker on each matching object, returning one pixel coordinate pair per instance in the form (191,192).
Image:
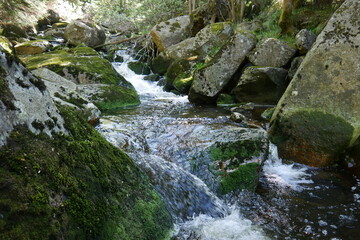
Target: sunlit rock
(318,115)
(272,53)
(80,32)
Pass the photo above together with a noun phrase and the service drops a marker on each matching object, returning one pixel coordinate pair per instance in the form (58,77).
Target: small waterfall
(293,176)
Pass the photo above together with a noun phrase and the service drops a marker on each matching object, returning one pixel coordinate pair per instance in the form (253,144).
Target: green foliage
(236,153)
(150,12)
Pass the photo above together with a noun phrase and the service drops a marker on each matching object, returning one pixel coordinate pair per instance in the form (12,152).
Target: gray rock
(25,100)
(304,40)
(251,26)
(209,81)
(170,32)
(237,117)
(124,27)
(318,115)
(212,36)
(79,32)
(272,53)
(66,93)
(263,85)
(295,64)
(58,32)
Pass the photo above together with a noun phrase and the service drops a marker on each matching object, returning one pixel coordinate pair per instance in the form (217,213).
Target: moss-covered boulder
(32,47)
(160,64)
(238,162)
(79,32)
(75,187)
(82,65)
(107,97)
(264,85)
(318,116)
(272,53)
(177,68)
(139,68)
(182,82)
(59,179)
(170,32)
(214,76)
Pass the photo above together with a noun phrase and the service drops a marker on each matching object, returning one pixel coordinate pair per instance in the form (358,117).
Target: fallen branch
(117,42)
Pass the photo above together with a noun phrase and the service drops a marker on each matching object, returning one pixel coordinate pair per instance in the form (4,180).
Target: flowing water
(166,137)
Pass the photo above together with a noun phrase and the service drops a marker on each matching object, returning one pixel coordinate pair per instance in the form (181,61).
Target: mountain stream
(164,136)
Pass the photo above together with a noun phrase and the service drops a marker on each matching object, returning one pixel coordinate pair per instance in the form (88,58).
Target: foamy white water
(292,176)
(231,227)
(144,88)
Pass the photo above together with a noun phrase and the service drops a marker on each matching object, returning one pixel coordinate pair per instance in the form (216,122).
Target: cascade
(165,132)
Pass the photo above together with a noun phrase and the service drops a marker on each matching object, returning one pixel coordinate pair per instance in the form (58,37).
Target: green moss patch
(237,152)
(77,186)
(182,83)
(245,177)
(139,68)
(80,62)
(116,97)
(311,136)
(225,99)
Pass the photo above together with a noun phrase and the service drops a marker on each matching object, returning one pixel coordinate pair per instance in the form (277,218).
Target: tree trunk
(242,10)
(233,10)
(285,18)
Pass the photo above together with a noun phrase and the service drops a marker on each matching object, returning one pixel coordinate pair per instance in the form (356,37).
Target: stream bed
(165,134)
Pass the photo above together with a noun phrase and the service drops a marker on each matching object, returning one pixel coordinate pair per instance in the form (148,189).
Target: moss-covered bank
(75,186)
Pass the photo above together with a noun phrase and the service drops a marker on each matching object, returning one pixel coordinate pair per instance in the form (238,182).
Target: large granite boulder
(24,100)
(272,53)
(122,27)
(171,32)
(32,47)
(64,92)
(304,40)
(211,37)
(80,32)
(319,114)
(211,79)
(263,85)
